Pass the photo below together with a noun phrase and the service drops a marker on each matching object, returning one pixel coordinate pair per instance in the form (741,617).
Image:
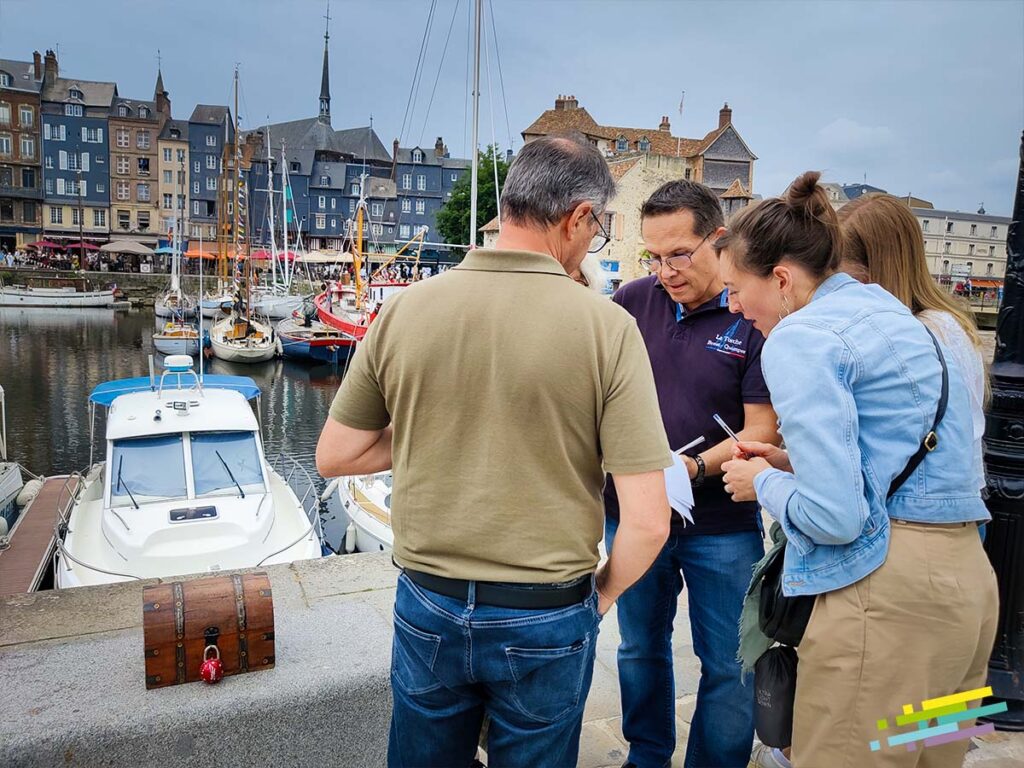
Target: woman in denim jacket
(906,603)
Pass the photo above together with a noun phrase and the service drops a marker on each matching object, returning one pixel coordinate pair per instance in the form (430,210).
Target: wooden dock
(24,563)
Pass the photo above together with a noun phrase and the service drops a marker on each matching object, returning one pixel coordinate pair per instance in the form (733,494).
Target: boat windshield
(226,463)
(134,477)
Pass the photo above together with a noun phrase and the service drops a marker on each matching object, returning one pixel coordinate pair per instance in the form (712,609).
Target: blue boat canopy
(104,394)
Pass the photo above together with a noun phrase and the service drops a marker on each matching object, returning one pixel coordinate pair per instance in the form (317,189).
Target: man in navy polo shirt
(706,361)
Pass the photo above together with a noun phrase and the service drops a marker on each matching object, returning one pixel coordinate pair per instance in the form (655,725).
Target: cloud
(846,136)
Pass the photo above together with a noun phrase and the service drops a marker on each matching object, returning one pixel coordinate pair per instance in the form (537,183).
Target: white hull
(365,506)
(276,307)
(16,296)
(214,308)
(252,349)
(164,307)
(175,346)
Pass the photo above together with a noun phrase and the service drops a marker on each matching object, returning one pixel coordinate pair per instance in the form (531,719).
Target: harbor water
(50,360)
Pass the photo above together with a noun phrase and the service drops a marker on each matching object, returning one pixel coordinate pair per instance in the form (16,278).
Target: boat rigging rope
(440,66)
(501,77)
(410,104)
(494,141)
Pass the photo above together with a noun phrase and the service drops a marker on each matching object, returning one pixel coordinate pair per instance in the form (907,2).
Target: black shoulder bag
(783,618)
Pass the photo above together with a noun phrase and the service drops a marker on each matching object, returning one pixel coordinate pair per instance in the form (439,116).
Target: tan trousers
(920,627)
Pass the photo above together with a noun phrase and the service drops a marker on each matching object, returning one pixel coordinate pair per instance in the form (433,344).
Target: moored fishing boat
(55,293)
(312,341)
(177,338)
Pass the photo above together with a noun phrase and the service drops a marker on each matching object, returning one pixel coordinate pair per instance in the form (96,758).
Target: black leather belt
(508,595)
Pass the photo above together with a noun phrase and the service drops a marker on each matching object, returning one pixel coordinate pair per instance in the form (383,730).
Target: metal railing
(299,481)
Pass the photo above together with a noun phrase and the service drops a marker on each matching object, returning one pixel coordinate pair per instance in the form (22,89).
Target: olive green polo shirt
(512,390)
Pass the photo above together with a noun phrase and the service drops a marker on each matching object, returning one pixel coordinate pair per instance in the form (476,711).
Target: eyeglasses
(602,236)
(677,262)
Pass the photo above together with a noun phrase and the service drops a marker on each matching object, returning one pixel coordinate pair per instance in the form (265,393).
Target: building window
(406,181)
(122,192)
(92,135)
(181,155)
(377,209)
(73,110)
(5,80)
(122,111)
(124,219)
(970,267)
(334,223)
(991,251)
(321,221)
(406,205)
(403,231)
(686,174)
(5,145)
(949,227)
(74,162)
(195,212)
(142,140)
(417,156)
(167,154)
(974,230)
(325,181)
(28,178)
(946,247)
(924,225)
(144,113)
(28,212)
(142,191)
(211,140)
(421,206)
(5,117)
(421,183)
(56,215)
(334,203)
(992,232)
(144,166)
(101,188)
(168,177)
(455,177)
(122,164)
(26,116)
(6,177)
(988,269)
(211,162)
(321,202)
(76,217)
(197,167)
(48,184)
(99,217)
(6,210)
(377,229)
(970,249)
(945,266)
(143,221)
(195,187)
(99,159)
(645,145)
(181,178)
(28,147)
(122,137)
(168,202)
(351,206)
(211,184)
(621,145)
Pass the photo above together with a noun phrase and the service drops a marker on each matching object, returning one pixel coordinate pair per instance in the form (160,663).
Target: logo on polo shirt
(728,343)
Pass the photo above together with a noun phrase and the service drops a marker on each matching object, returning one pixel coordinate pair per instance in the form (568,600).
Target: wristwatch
(698,479)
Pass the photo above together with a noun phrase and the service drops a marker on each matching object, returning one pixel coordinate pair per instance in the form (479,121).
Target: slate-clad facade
(209,129)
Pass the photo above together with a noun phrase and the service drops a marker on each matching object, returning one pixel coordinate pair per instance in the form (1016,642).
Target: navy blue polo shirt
(706,361)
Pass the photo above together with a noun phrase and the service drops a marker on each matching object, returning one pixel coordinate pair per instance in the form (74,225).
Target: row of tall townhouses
(21,192)
(961,245)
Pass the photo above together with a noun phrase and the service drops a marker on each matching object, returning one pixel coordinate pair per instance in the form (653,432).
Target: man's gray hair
(551,176)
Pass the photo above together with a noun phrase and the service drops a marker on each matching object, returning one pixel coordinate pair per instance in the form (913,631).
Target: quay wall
(72,679)
(141,289)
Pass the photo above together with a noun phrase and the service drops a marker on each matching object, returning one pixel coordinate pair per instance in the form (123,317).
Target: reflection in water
(50,361)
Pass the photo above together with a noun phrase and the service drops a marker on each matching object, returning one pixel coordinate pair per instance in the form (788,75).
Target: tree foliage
(453,218)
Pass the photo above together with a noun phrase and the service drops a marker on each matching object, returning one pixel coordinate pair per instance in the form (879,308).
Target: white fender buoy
(329,489)
(29,492)
(350,539)
(3,530)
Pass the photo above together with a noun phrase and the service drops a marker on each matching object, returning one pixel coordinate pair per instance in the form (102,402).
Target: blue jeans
(453,660)
(717,570)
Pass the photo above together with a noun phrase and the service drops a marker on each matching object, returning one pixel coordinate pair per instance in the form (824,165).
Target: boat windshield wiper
(228,470)
(121,483)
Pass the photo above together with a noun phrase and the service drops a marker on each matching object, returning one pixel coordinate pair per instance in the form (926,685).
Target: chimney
(439,148)
(565,103)
(37,66)
(724,116)
(50,69)
(665,124)
(394,160)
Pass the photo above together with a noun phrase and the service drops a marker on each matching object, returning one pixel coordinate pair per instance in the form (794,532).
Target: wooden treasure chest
(182,619)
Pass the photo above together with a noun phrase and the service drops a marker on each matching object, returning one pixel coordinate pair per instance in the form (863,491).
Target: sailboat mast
(284,210)
(357,245)
(474,186)
(270,211)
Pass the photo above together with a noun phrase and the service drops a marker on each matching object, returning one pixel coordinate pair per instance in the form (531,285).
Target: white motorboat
(276,305)
(177,338)
(366,500)
(55,292)
(185,487)
(10,476)
(243,340)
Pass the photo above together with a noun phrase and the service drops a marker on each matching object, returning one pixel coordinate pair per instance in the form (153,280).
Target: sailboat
(177,337)
(240,337)
(366,499)
(174,304)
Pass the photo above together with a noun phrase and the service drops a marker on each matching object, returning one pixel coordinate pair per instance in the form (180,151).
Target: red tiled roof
(490,226)
(622,167)
(564,120)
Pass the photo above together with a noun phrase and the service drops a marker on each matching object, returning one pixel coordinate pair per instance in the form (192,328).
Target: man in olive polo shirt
(501,392)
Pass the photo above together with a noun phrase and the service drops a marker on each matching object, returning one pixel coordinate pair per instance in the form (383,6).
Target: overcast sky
(919,97)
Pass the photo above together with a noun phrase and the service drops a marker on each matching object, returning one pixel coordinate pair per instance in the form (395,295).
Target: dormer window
(5,80)
(645,145)
(74,93)
(144,113)
(122,111)
(325,181)
(417,156)
(295,167)
(621,145)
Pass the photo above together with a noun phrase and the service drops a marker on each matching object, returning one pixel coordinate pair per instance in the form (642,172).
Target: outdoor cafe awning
(985,283)
(43,244)
(127,246)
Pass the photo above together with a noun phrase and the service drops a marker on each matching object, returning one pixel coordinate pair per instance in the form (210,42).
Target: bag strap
(931,440)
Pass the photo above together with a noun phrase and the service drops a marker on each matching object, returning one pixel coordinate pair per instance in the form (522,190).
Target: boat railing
(301,483)
(68,497)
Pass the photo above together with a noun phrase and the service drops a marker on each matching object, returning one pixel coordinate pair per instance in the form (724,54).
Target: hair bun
(805,195)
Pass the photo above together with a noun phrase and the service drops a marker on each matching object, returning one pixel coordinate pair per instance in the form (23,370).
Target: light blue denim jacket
(855,381)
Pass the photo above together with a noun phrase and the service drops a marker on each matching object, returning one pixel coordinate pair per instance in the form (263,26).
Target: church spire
(325,85)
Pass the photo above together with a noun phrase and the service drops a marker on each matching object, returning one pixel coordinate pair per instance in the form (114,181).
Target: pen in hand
(728,431)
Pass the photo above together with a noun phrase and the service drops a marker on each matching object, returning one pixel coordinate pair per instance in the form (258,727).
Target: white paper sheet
(678,488)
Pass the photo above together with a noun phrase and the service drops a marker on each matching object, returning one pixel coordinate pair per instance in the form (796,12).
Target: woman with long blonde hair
(882,244)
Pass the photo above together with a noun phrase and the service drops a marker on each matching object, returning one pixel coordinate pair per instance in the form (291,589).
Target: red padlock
(212,669)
